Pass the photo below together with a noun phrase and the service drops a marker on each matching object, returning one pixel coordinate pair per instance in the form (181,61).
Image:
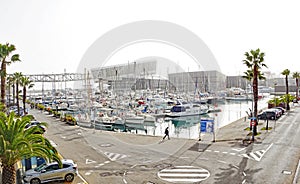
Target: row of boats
(127,112)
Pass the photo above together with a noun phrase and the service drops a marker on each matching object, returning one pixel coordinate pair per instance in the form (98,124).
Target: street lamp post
(275,83)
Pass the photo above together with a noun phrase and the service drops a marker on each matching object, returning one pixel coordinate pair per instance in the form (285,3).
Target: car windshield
(40,167)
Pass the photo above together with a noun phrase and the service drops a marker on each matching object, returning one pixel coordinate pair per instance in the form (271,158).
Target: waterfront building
(145,73)
(203,81)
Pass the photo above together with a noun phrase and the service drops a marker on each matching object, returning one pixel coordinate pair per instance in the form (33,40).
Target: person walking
(166,133)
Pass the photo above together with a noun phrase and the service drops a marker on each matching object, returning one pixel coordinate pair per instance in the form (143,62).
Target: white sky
(51,35)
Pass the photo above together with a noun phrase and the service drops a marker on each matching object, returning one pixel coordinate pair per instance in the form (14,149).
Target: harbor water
(189,127)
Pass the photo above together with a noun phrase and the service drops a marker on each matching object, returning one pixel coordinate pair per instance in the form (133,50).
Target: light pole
(275,83)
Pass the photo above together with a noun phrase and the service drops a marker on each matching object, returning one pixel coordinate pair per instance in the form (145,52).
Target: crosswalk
(257,155)
(183,174)
(114,156)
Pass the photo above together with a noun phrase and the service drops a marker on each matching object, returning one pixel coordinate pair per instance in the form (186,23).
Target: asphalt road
(108,157)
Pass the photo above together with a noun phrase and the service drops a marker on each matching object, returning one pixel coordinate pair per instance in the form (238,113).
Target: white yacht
(188,110)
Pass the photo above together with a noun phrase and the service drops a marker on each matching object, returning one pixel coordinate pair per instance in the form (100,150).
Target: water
(188,127)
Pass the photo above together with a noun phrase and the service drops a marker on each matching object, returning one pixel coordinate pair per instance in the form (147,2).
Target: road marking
(254,156)
(88,173)
(84,181)
(53,143)
(183,174)
(257,155)
(114,156)
(88,161)
(245,155)
(221,161)
(238,150)
(269,147)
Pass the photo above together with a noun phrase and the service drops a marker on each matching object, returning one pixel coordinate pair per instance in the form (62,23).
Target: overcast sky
(53,35)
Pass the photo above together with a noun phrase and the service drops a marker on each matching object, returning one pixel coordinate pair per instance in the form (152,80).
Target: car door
(49,173)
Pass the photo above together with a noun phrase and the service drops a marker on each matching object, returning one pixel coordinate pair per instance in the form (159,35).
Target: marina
(144,115)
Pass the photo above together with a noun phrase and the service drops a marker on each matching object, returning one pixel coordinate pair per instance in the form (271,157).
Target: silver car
(52,172)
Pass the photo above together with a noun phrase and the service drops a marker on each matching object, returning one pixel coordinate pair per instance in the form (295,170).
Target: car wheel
(69,177)
(35,181)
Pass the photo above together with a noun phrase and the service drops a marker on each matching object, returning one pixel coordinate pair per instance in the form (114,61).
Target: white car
(52,172)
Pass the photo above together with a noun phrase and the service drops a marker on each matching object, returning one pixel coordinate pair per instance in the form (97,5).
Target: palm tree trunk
(9,174)
(17,91)
(14,93)
(287,92)
(297,90)
(255,96)
(3,81)
(9,86)
(24,99)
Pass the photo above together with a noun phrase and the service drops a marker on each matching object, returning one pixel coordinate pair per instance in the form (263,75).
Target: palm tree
(286,72)
(254,62)
(18,76)
(17,143)
(296,75)
(249,76)
(5,59)
(26,83)
(11,83)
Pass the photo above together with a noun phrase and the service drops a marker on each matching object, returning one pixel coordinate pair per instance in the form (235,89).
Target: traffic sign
(207,125)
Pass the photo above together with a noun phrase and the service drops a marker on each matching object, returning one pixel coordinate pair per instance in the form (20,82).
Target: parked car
(281,108)
(270,114)
(278,112)
(36,123)
(52,172)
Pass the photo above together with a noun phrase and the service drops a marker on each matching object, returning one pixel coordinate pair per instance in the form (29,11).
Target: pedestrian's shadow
(162,141)
(237,173)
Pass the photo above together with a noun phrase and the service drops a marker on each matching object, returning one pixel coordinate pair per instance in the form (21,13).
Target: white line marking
(232,153)
(245,155)
(269,147)
(208,150)
(88,173)
(183,170)
(133,166)
(82,178)
(238,149)
(235,166)
(217,151)
(187,166)
(222,161)
(296,173)
(253,155)
(260,153)
(225,152)
(106,162)
(53,143)
(124,181)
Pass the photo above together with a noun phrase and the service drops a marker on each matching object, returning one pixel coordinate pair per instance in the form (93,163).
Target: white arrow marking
(88,161)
